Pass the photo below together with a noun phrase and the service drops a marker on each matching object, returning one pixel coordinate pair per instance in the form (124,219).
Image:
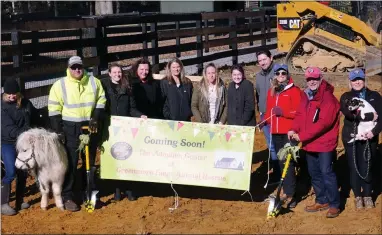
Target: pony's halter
(25,162)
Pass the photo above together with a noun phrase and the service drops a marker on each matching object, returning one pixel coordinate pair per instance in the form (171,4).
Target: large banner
(178,152)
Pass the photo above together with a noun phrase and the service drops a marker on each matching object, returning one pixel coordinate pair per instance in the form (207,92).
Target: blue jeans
(324,180)
(267,133)
(8,155)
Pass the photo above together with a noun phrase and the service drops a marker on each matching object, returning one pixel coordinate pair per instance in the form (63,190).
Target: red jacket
(288,100)
(322,135)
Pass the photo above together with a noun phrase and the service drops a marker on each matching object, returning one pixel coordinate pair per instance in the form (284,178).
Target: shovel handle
(287,162)
(87,157)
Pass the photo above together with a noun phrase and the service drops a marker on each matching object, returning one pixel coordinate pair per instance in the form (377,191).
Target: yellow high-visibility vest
(75,99)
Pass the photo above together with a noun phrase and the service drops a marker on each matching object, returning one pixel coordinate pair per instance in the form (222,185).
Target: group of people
(312,117)
(286,113)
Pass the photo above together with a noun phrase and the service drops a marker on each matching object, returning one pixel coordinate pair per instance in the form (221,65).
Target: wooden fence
(27,55)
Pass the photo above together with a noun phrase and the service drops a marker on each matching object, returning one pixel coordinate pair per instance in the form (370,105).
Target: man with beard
(263,83)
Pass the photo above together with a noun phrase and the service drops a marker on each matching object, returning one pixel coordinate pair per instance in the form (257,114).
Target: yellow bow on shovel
(275,204)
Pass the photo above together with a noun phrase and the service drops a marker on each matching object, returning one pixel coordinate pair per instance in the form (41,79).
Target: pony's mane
(46,146)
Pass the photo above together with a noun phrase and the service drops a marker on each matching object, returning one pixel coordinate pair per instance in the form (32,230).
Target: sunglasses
(281,73)
(76,66)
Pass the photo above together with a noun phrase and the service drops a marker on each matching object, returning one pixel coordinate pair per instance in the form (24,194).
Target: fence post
(101,50)
(154,44)
(232,35)
(91,33)
(177,27)
(80,49)
(35,45)
(206,37)
(263,27)
(268,21)
(199,41)
(250,30)
(17,58)
(144,43)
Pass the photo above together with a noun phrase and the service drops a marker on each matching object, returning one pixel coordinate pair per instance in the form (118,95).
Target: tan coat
(200,105)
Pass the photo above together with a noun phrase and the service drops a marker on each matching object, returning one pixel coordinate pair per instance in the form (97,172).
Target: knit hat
(11,86)
(74,60)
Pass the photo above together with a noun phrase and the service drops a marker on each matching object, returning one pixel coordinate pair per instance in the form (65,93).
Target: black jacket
(177,101)
(120,102)
(148,97)
(241,104)
(15,121)
(375,100)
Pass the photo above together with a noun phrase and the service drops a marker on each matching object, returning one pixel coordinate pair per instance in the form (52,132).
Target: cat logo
(289,23)
(294,23)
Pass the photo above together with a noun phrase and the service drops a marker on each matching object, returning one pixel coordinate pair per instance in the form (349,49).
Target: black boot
(117,194)
(130,195)
(21,181)
(6,209)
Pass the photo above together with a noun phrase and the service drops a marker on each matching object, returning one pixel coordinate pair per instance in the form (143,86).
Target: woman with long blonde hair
(209,101)
(177,92)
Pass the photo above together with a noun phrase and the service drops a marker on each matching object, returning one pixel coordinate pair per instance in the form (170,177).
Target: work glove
(61,137)
(93,126)
(277,111)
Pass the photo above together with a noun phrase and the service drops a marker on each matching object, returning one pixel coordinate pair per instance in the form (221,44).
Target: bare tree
(55,5)
(29,7)
(103,7)
(118,7)
(91,8)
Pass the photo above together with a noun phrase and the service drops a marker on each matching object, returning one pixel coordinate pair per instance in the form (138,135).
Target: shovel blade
(91,201)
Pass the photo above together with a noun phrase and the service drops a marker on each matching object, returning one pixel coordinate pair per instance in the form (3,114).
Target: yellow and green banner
(176,152)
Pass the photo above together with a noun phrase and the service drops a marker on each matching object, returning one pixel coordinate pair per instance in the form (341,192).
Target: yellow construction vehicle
(314,34)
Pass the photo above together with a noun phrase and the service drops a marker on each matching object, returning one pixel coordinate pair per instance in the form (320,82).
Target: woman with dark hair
(241,99)
(146,90)
(17,115)
(209,101)
(177,92)
(120,102)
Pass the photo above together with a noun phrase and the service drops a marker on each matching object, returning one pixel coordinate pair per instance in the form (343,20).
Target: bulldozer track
(323,42)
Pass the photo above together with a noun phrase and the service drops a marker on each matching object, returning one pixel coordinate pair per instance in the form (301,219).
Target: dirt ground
(206,210)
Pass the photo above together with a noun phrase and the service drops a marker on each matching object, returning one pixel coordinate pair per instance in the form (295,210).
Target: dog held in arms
(362,106)
(41,153)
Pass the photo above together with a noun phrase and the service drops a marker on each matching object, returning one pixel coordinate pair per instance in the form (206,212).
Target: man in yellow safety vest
(75,101)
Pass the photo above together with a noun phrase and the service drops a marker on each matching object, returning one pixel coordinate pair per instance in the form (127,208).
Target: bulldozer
(315,34)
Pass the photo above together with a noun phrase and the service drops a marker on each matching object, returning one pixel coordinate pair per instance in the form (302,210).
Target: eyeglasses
(76,66)
(281,73)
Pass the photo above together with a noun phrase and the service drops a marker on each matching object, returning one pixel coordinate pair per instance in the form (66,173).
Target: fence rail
(33,49)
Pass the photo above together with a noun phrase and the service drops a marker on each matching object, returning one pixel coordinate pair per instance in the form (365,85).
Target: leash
(270,144)
(367,148)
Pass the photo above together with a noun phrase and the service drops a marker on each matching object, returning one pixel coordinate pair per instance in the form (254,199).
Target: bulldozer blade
(373,61)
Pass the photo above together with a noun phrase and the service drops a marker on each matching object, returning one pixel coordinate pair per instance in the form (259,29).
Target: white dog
(363,127)
(42,154)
